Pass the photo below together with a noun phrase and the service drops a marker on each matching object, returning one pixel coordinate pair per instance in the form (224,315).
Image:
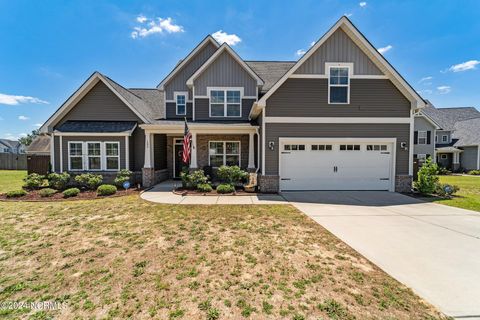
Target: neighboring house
(457,141)
(11,146)
(424,138)
(339,118)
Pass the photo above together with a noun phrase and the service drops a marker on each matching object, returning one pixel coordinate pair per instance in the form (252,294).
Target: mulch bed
(34,196)
(186,192)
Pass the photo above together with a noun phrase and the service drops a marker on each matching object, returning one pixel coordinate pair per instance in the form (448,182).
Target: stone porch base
(151,177)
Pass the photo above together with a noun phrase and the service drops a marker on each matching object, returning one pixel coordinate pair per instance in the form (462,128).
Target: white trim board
(392,120)
(324,76)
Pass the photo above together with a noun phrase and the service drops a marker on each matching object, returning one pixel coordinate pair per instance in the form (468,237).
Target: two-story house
(11,146)
(339,118)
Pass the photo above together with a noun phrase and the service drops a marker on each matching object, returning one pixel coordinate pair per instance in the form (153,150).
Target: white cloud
(11,136)
(300,52)
(37,125)
(428,78)
(23,118)
(444,89)
(157,25)
(348,15)
(312,43)
(385,49)
(464,66)
(13,100)
(363,4)
(223,37)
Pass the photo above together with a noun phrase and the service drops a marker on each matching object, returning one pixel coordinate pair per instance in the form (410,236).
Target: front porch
(212,145)
(449,158)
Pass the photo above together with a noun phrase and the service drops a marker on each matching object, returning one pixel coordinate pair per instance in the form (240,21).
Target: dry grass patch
(126,258)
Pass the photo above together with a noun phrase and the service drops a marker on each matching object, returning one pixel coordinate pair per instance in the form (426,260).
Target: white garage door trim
(393,141)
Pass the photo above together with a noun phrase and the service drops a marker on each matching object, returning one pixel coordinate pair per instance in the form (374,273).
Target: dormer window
(181,102)
(338,83)
(225,102)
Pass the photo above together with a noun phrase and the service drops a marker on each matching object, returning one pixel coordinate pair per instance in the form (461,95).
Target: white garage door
(311,164)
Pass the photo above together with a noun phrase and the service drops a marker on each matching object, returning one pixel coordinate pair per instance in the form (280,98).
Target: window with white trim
(224,153)
(225,103)
(112,155)
(181,103)
(443,156)
(422,137)
(444,138)
(94,156)
(75,156)
(338,84)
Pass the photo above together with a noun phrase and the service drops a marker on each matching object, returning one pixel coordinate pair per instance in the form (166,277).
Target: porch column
(456,157)
(193,160)
(251,151)
(148,150)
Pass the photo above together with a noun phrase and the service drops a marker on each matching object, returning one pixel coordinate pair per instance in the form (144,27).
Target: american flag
(187,136)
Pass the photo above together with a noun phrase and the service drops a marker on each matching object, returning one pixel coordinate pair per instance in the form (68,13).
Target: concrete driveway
(431,248)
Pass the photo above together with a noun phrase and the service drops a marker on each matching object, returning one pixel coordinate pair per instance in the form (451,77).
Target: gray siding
(309,98)
(421,124)
(339,48)
(276,130)
(100,104)
(225,71)
(160,151)
(441,133)
(171,111)
(137,148)
(202,110)
(469,158)
(178,83)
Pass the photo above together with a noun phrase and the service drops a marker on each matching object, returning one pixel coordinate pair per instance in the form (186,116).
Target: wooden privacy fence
(38,164)
(10,161)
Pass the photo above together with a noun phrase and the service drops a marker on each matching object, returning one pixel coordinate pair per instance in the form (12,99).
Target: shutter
(429,138)
(415,137)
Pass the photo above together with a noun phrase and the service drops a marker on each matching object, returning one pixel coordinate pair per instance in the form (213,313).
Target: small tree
(427,177)
(27,140)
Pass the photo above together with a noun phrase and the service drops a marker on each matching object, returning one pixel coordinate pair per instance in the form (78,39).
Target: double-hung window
(444,138)
(422,137)
(75,155)
(181,103)
(338,84)
(224,153)
(112,155)
(225,103)
(94,156)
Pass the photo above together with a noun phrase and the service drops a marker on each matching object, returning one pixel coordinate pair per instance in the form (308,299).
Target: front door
(178,153)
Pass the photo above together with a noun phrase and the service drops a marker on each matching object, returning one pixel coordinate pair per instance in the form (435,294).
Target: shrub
(106,190)
(474,172)
(122,176)
(232,175)
(225,188)
(16,193)
(89,180)
(58,181)
(192,180)
(47,192)
(204,187)
(427,177)
(446,190)
(33,181)
(443,171)
(71,192)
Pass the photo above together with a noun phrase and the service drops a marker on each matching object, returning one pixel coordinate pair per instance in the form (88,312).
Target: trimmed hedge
(106,190)
(72,192)
(47,192)
(33,181)
(89,180)
(16,193)
(58,181)
(204,187)
(225,188)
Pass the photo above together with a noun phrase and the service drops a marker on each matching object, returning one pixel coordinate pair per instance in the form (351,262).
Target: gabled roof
(39,145)
(10,143)
(182,63)
(142,109)
(225,48)
(270,71)
(448,117)
(348,27)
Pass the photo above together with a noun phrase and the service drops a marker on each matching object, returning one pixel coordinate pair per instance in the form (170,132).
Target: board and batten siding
(309,98)
(339,48)
(202,110)
(274,131)
(100,104)
(171,111)
(421,124)
(225,71)
(178,82)
(469,158)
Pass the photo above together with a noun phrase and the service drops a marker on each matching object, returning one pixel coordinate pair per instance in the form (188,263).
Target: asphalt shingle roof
(97,126)
(270,71)
(447,117)
(41,144)
(467,132)
(10,143)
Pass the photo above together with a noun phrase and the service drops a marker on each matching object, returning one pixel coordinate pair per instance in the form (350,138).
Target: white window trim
(225,89)
(180,93)
(328,66)
(225,151)
(445,138)
(426,137)
(85,156)
(443,156)
(421,156)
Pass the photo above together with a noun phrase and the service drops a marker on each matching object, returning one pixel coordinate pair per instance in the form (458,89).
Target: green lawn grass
(469,195)
(11,180)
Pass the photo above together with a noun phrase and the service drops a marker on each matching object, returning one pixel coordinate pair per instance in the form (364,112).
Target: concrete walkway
(162,193)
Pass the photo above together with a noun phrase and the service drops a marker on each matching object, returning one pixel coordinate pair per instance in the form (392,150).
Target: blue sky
(48,48)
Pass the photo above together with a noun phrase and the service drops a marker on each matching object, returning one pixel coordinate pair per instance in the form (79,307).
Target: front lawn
(127,258)
(469,195)
(11,180)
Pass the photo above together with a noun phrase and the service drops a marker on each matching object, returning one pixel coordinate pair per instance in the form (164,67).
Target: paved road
(433,249)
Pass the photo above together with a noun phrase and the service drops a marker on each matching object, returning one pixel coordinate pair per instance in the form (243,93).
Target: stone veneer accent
(148,177)
(268,184)
(403,183)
